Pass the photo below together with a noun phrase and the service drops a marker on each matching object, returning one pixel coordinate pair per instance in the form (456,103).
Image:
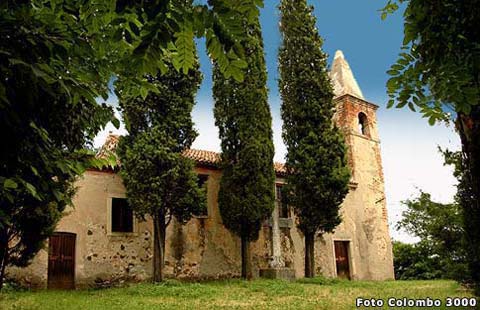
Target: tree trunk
(3,256)
(246,263)
(469,190)
(309,255)
(158,247)
(163,233)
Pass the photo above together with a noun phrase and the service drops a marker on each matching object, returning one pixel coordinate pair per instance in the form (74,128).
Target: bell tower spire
(342,78)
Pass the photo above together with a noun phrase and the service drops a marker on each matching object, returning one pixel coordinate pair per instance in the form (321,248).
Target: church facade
(99,241)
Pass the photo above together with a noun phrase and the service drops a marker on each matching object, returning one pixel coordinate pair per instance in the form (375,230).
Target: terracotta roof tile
(201,157)
(280,168)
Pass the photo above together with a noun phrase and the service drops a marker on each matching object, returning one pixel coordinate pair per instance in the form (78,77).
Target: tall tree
(318,175)
(438,73)
(55,60)
(48,117)
(160,182)
(242,114)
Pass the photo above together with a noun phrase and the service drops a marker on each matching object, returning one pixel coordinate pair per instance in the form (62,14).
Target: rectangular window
(283,210)
(122,215)
(202,182)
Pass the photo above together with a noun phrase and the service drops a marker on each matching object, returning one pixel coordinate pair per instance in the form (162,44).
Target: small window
(202,182)
(122,216)
(363,124)
(283,210)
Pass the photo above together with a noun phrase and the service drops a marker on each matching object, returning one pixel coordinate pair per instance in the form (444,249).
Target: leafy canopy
(159,180)
(416,262)
(437,71)
(48,117)
(442,249)
(157,33)
(441,232)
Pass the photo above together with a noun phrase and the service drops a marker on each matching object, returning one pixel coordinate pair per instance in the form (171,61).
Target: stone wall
(101,256)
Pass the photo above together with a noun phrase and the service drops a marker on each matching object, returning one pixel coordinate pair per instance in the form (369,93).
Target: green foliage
(437,71)
(242,114)
(123,37)
(470,216)
(441,251)
(152,34)
(48,116)
(416,262)
(158,179)
(318,175)
(155,173)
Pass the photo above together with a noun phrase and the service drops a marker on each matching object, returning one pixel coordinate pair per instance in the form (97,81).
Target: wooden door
(61,261)
(342,259)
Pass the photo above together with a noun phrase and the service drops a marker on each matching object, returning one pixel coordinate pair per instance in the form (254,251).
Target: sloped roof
(343,81)
(201,157)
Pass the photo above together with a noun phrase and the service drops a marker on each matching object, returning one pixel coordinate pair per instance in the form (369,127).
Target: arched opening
(363,124)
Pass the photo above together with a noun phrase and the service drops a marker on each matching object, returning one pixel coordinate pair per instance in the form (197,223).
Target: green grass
(315,293)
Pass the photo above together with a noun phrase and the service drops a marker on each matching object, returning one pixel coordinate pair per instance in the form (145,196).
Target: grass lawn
(235,294)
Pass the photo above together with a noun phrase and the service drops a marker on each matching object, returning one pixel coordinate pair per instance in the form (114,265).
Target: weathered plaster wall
(203,248)
(366,205)
(100,254)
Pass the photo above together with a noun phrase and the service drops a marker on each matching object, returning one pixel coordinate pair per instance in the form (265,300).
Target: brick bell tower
(365,205)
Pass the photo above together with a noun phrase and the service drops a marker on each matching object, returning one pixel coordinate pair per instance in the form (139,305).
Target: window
(283,210)
(202,181)
(363,124)
(122,216)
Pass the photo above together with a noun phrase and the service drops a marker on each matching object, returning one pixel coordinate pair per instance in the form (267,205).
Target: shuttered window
(122,216)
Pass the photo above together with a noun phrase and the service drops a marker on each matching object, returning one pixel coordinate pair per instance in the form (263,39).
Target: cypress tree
(316,163)
(242,114)
(160,182)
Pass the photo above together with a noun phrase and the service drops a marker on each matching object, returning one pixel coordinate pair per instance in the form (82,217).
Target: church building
(100,242)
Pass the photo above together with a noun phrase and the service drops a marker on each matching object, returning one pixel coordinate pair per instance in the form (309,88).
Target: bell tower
(365,210)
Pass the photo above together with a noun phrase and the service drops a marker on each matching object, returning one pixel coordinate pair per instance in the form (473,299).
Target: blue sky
(370,45)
